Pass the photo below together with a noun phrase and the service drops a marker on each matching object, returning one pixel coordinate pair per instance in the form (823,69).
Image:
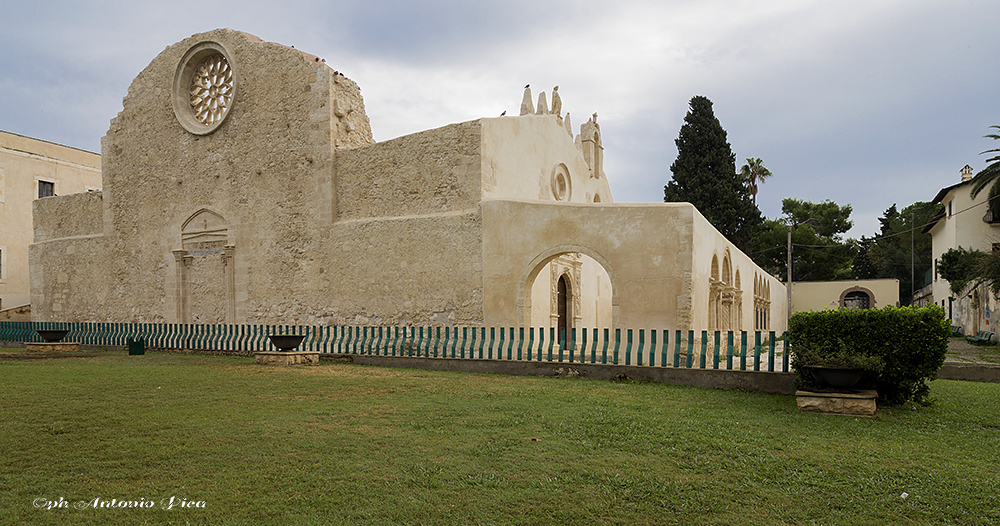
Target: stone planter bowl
(836,377)
(286,342)
(52,336)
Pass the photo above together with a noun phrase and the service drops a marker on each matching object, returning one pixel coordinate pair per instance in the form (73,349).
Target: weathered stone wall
(68,259)
(69,216)
(287,213)
(240,224)
(69,281)
(267,171)
(415,270)
(22,313)
(424,173)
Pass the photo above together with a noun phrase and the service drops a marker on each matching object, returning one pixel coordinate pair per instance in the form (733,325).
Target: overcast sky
(866,103)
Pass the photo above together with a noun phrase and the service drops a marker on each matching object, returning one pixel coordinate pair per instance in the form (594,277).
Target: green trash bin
(136,347)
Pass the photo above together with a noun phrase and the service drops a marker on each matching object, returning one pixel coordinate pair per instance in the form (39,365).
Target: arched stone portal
(568,287)
(205,280)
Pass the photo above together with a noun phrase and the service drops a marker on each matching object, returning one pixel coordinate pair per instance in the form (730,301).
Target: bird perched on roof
(504,113)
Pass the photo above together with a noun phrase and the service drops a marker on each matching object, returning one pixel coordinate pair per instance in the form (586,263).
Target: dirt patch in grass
(43,356)
(357,371)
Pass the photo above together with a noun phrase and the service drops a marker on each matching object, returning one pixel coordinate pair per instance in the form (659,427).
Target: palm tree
(990,175)
(752,172)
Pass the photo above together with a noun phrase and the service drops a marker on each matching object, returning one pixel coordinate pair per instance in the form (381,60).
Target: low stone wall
(776,383)
(22,313)
(52,347)
(858,403)
(970,372)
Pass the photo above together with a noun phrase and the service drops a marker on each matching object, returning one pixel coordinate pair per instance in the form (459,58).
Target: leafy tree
(704,174)
(900,250)
(990,176)
(869,262)
(989,271)
(753,172)
(959,266)
(819,253)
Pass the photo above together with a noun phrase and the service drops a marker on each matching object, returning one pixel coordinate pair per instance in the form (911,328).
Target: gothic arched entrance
(563,308)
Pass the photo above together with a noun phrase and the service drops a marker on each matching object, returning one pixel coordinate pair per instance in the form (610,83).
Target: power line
(880,237)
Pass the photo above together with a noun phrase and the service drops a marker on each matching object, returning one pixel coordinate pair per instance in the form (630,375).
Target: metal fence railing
(729,350)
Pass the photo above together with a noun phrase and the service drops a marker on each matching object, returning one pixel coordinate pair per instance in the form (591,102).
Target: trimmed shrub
(911,344)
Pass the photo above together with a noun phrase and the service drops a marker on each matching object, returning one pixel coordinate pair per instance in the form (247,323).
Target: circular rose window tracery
(211,89)
(204,88)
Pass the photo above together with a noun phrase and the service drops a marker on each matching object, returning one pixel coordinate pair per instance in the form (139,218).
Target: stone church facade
(241,184)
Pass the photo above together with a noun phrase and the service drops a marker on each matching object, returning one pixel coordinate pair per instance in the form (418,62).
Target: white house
(963,222)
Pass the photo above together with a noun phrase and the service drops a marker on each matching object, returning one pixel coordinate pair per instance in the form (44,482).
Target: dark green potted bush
(832,364)
(911,341)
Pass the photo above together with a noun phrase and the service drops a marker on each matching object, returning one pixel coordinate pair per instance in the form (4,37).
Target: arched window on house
(857,298)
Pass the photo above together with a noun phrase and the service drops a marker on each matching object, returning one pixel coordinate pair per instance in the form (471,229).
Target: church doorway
(569,291)
(563,324)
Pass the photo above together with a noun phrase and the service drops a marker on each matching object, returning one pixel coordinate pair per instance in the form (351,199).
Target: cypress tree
(704,174)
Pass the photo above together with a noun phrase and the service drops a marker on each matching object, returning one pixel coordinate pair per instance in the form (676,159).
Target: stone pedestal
(853,403)
(286,358)
(52,347)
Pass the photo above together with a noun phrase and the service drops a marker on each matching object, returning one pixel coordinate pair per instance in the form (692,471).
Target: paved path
(961,351)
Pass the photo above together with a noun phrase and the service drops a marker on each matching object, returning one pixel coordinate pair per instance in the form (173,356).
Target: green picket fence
(756,351)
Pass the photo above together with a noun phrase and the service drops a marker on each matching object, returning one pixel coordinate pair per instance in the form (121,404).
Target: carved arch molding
(857,297)
(205,278)
(725,298)
(570,266)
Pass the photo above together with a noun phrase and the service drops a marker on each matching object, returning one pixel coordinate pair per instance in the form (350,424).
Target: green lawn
(349,444)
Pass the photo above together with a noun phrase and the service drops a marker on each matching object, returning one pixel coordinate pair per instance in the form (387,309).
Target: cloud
(867,103)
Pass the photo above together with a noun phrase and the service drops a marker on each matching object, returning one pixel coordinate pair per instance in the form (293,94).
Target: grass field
(349,444)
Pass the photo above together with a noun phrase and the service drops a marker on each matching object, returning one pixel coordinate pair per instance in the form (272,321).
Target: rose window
(211,89)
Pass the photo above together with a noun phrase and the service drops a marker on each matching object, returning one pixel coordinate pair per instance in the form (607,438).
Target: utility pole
(789,267)
(791,227)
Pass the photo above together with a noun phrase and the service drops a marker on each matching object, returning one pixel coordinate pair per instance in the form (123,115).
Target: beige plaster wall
(707,243)
(520,156)
(645,249)
(819,295)
(23,163)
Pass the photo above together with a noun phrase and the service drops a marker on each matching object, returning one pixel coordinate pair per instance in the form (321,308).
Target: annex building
(32,169)
(241,184)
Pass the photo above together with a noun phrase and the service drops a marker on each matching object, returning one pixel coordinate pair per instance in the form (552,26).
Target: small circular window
(562,185)
(204,88)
